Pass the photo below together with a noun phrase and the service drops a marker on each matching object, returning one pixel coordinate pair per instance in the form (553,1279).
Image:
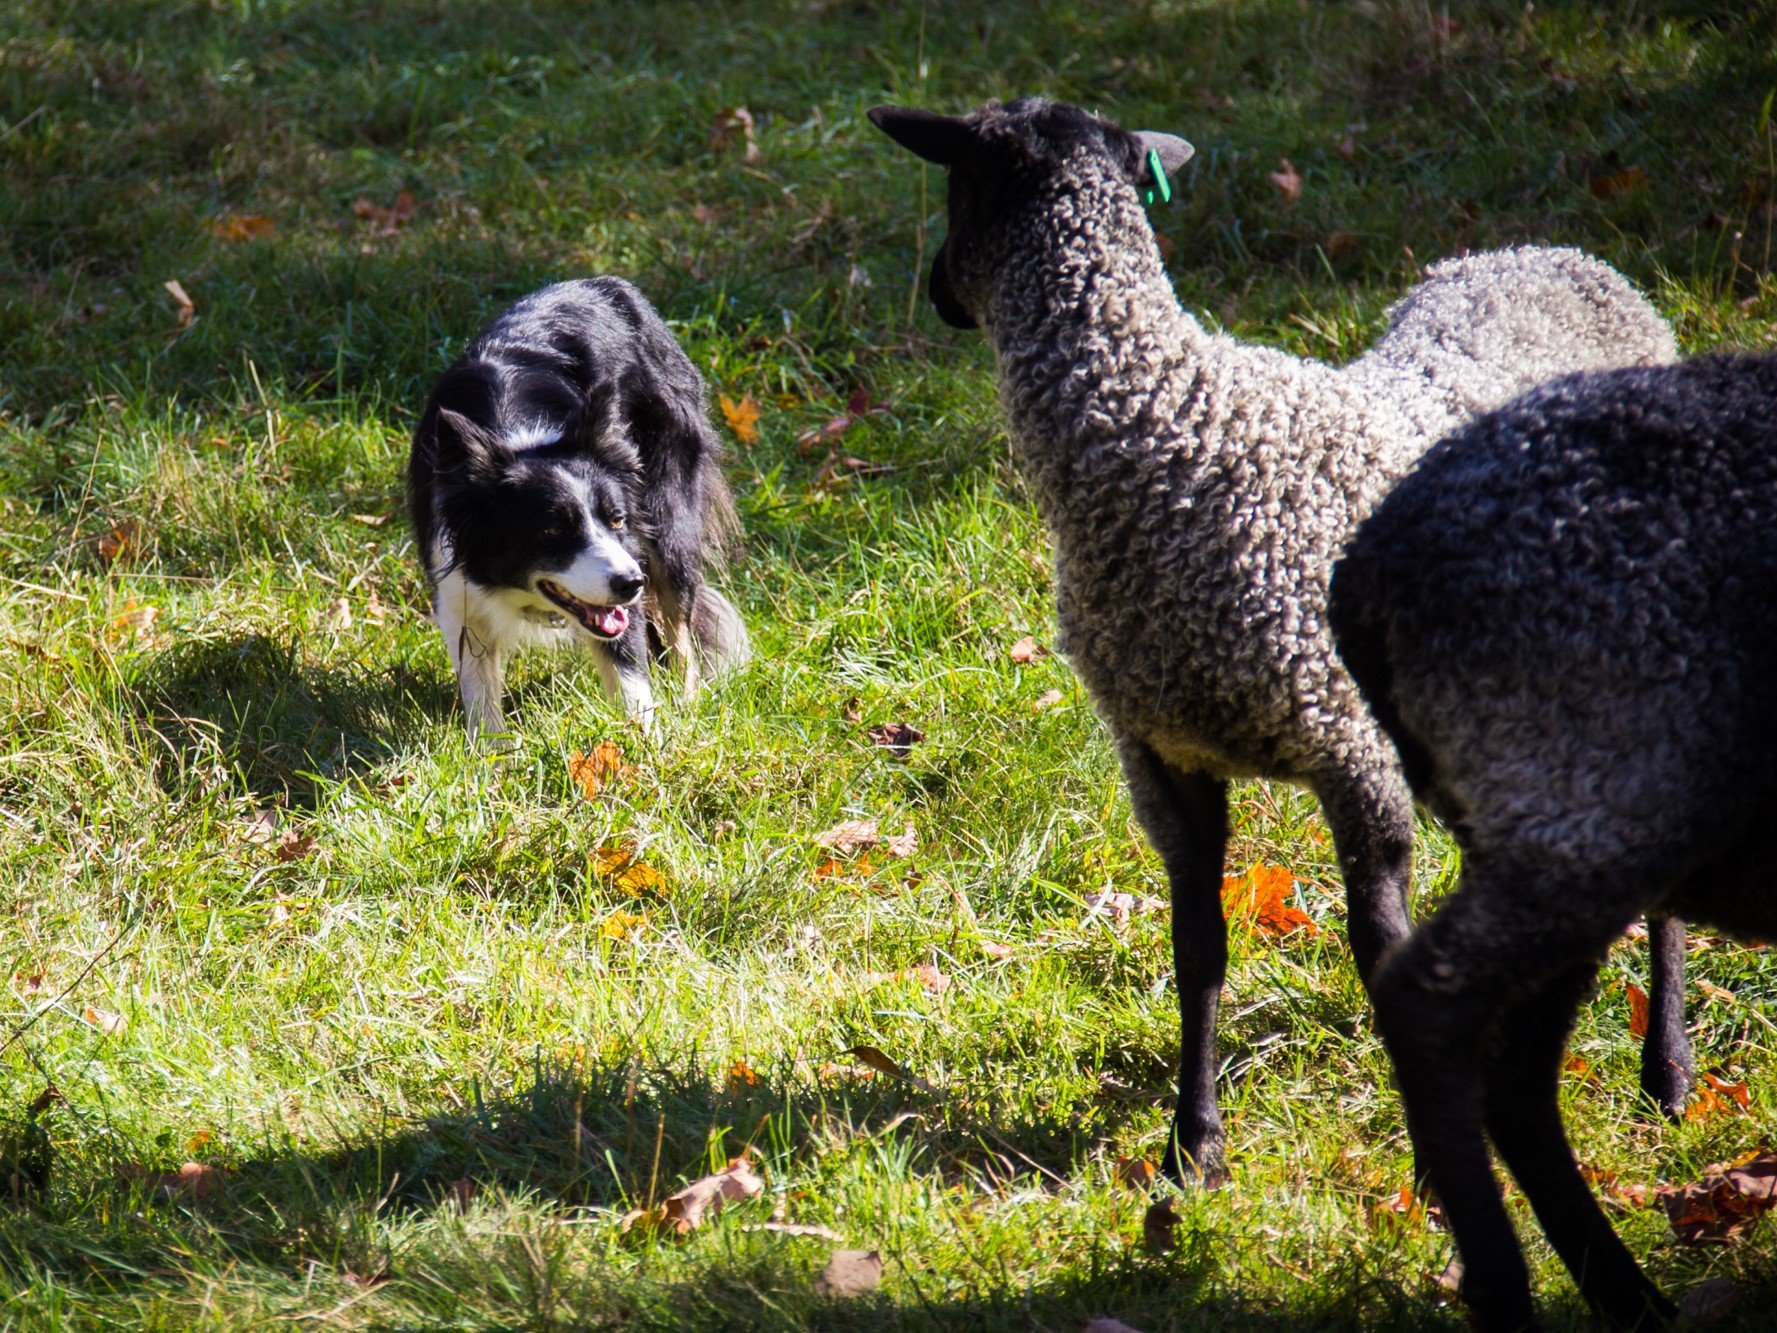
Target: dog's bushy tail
(720,636)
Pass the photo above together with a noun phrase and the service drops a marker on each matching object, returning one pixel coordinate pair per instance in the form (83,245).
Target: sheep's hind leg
(1524,1122)
(1371,817)
(1185,816)
(1668,1071)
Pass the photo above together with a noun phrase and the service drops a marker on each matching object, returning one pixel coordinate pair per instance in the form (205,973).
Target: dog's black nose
(626,586)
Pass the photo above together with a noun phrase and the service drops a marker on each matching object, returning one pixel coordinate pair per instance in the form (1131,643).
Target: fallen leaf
(1157,1224)
(1615,1189)
(385,221)
(138,620)
(593,772)
(1403,1208)
(259,826)
(622,925)
(193,1180)
(925,974)
(1637,1010)
(848,836)
(1341,243)
(850,1273)
(1047,699)
(852,710)
(1728,1199)
(742,418)
(1262,899)
(1135,1172)
(293,846)
(461,1192)
(897,736)
(369,520)
(883,1064)
(187,310)
(995,950)
(1577,1067)
(373,609)
(902,844)
(240,226)
(1610,184)
(122,540)
(721,829)
(733,124)
(29,984)
(1027,650)
(685,1211)
(339,615)
(1121,906)
(1287,180)
(1715,1096)
(741,1076)
(108,1023)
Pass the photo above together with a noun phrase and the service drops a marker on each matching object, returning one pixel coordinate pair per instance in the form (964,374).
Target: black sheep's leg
(1524,1122)
(1185,816)
(1370,814)
(1667,1070)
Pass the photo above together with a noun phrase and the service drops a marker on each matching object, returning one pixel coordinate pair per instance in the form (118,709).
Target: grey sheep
(1566,617)
(1197,489)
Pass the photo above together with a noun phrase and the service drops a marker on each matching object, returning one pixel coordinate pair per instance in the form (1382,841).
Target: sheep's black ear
(1173,153)
(945,140)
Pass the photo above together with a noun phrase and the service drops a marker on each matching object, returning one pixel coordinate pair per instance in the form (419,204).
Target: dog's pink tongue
(611,620)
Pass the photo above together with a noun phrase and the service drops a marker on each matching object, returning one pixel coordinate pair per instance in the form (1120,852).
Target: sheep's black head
(998,158)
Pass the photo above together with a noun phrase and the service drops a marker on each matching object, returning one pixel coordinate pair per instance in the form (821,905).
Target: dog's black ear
(467,450)
(602,429)
(944,140)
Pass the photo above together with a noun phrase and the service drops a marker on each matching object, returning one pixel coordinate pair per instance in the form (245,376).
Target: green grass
(431,1078)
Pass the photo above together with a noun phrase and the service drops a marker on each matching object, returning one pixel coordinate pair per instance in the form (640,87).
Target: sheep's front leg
(1185,816)
(1524,1122)
(1668,1071)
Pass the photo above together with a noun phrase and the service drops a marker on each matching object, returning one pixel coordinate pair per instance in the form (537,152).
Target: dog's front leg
(480,668)
(623,670)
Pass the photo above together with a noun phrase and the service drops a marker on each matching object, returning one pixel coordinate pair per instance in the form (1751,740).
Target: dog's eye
(553,530)
(616,522)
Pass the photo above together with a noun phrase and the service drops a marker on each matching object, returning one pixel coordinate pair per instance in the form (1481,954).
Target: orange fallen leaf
(897,736)
(1287,180)
(884,1064)
(1715,1096)
(742,418)
(1725,1201)
(688,1209)
(1135,1172)
(122,540)
(386,220)
(622,925)
(240,226)
(741,1076)
(1574,1065)
(1403,1208)
(1612,183)
(620,862)
(1637,1010)
(108,1023)
(1262,898)
(593,772)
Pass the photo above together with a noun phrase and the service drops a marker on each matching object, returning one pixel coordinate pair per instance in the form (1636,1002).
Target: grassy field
(416,1044)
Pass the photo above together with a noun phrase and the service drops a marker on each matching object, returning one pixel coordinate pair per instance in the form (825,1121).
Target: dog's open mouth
(604,622)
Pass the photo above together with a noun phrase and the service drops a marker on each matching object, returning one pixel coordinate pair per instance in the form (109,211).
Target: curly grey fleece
(1198,488)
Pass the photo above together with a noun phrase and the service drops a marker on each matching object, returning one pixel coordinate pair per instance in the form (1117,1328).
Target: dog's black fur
(564,474)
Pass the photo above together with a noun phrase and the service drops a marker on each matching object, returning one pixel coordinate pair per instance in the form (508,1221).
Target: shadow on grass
(283,722)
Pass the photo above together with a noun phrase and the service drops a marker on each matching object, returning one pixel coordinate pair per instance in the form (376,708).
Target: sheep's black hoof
(1668,1086)
(1197,1161)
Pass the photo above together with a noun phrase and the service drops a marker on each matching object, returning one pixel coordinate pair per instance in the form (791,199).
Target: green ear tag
(1158,172)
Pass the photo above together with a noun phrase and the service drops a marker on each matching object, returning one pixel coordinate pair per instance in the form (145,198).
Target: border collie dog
(564,491)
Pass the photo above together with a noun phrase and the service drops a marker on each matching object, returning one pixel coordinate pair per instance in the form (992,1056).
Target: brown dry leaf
(622,925)
(108,1023)
(995,950)
(187,309)
(1610,184)
(1577,1067)
(369,520)
(1637,1010)
(1157,1224)
(852,710)
(1027,650)
(293,846)
(741,1076)
(883,1064)
(1121,906)
(374,612)
(1727,1200)
(386,221)
(721,829)
(1135,1172)
(1047,699)
(734,124)
(1716,1096)
(240,226)
(134,619)
(593,772)
(684,1212)
(1287,180)
(1105,1324)
(193,1180)
(902,844)
(339,615)
(848,836)
(742,418)
(1615,1189)
(29,984)
(123,539)
(1261,899)
(1341,243)
(897,736)
(850,1273)
(1401,1209)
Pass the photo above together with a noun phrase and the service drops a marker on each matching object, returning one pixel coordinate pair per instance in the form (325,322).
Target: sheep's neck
(1094,352)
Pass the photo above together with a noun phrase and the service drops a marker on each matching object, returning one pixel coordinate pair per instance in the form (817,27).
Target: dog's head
(552,517)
